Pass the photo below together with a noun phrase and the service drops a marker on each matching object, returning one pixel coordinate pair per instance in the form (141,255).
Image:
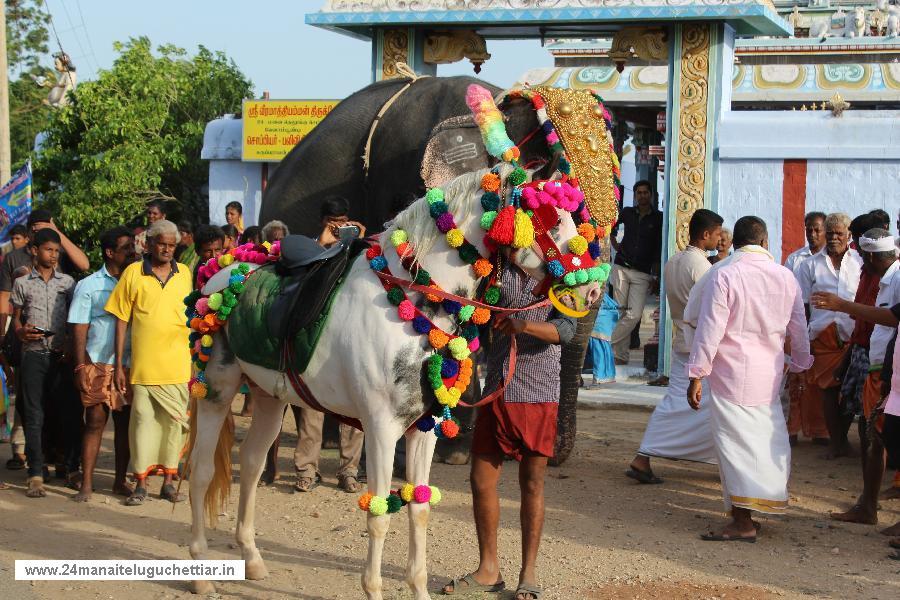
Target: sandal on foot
(170,492)
(724,537)
(349,483)
(643,476)
(467,585)
(529,591)
(73,481)
(15,464)
(307,484)
(36,488)
(137,497)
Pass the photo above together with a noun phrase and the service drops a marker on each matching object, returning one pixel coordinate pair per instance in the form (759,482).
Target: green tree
(26,50)
(133,134)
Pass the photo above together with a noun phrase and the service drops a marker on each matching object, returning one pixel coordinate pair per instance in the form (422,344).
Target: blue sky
(268,40)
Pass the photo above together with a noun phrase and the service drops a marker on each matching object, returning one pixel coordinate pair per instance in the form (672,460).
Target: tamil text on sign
(273,127)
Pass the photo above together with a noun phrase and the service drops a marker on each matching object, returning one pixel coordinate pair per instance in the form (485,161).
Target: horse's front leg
(381,440)
(264,428)
(419,452)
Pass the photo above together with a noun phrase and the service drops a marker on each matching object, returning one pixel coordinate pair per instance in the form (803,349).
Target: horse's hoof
(203,587)
(256,570)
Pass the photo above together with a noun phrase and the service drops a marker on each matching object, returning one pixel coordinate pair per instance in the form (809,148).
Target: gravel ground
(605,537)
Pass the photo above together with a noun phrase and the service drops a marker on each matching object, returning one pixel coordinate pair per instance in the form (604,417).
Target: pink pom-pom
(552,138)
(585,214)
(197,347)
(474,345)
(212,267)
(617,193)
(202,273)
(575,194)
(545,198)
(202,306)
(275,250)
(532,203)
(422,494)
(529,192)
(406,310)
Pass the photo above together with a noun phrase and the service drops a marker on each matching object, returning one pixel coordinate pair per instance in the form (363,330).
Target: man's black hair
(335,206)
(158,203)
(206,234)
(236,206)
(18,230)
(39,216)
(43,236)
(703,220)
(884,219)
(814,216)
(230,231)
(109,239)
(186,226)
(252,234)
(863,223)
(642,182)
(749,230)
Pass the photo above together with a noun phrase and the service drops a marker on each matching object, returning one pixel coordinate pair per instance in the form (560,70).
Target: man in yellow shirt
(150,295)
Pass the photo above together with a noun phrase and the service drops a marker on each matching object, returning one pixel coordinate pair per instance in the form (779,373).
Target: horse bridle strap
(544,219)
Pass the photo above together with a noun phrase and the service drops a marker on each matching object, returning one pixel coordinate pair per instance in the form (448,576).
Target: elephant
(426,137)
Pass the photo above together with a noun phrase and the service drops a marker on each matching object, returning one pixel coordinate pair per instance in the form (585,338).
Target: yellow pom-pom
(455,238)
(206,341)
(587,231)
(578,245)
(406,492)
(364,501)
(225,260)
(377,506)
(523,235)
(267,245)
(435,495)
(443,396)
(398,237)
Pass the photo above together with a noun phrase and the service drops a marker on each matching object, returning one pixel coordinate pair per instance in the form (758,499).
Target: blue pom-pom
(378,263)
(449,369)
(425,424)
(207,350)
(188,323)
(594,250)
(421,324)
(437,209)
(194,336)
(451,307)
(555,268)
(201,376)
(564,166)
(516,196)
(547,126)
(490,201)
(438,433)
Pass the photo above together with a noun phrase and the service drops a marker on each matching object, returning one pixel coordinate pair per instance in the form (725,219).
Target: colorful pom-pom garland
(397,499)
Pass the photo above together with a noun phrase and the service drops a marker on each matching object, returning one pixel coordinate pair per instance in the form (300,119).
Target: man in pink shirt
(747,308)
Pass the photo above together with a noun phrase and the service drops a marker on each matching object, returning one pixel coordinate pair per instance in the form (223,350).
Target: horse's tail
(219,488)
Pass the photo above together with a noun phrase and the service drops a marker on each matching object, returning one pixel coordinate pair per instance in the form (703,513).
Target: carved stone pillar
(700,69)
(399,45)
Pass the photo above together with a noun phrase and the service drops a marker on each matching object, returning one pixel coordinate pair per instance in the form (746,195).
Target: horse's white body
(367,365)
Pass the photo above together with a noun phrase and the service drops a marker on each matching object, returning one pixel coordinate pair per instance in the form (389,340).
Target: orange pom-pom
(437,338)
(601,232)
(483,267)
(490,182)
(364,501)
(210,319)
(481,316)
(587,231)
(449,428)
(432,297)
(203,357)
(195,323)
(404,249)
(504,226)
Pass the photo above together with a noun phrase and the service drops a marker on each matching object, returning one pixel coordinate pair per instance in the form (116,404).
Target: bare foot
(893,530)
(892,493)
(36,488)
(856,514)
(84,494)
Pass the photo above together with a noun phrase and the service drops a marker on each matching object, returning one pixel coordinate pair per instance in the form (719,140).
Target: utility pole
(5,154)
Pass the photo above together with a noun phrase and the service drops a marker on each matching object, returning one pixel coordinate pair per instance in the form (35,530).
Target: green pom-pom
(490,201)
(215,301)
(465,313)
(517,177)
(394,504)
(423,277)
(377,506)
(564,166)
(191,299)
(224,311)
(243,268)
(237,287)
(436,495)
(487,219)
(398,237)
(470,331)
(581,276)
(396,296)
(468,253)
(595,274)
(606,267)
(435,362)
(434,195)
(569,279)
(492,295)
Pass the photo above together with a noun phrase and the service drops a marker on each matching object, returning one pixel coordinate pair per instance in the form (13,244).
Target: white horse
(367,365)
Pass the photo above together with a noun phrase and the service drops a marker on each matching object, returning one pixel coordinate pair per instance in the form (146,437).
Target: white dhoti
(754,454)
(675,430)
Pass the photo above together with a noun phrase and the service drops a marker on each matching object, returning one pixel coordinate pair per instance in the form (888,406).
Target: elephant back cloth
(284,308)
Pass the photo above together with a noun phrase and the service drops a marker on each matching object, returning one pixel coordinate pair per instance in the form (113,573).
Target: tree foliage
(133,134)
(26,52)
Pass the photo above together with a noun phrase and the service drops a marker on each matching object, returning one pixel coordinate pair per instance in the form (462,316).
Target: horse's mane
(461,195)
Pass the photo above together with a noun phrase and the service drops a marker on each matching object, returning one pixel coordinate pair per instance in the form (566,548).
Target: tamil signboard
(273,127)
(15,201)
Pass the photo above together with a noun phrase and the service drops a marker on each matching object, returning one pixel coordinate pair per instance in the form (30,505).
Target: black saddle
(309,275)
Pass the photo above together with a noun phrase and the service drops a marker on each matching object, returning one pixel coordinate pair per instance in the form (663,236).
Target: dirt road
(605,537)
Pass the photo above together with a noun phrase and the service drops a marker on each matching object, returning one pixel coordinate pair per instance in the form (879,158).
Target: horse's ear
(454,147)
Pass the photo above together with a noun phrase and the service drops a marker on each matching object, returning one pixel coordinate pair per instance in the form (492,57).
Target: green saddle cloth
(248,330)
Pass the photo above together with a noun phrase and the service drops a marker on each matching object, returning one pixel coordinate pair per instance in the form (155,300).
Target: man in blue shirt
(93,333)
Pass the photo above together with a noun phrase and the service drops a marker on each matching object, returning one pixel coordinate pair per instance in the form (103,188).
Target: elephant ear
(454,147)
